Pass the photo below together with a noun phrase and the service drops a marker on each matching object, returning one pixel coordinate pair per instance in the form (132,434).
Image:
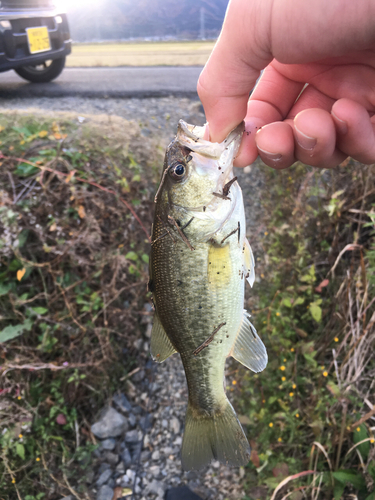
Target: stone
(145,422)
(154,470)
(104,477)
(175,425)
(108,444)
(157,488)
(105,493)
(69,497)
(110,424)
(104,466)
(111,458)
(155,455)
(132,421)
(122,402)
(120,468)
(126,457)
(132,437)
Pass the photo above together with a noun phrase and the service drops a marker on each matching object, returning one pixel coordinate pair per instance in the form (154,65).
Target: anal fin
(248,348)
(161,346)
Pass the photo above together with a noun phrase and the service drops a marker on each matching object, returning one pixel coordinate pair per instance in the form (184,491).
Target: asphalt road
(151,81)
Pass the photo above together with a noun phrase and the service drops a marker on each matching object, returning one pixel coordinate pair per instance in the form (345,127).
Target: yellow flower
(358,429)
(20,436)
(264,322)
(282,368)
(265,234)
(325,374)
(336,339)
(322,367)
(294,386)
(283,379)
(279,440)
(19,397)
(297,415)
(292,349)
(234,382)
(263,400)
(277,314)
(13,480)
(284,360)
(262,275)
(372,440)
(291,394)
(270,424)
(37,459)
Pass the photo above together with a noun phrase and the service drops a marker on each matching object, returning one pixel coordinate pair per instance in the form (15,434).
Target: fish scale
(199,262)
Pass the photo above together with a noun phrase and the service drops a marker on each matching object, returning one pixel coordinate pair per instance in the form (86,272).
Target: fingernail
(206,135)
(305,141)
(270,156)
(340,124)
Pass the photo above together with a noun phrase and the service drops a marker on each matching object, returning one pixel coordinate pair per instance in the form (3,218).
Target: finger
(315,139)
(275,143)
(270,102)
(355,130)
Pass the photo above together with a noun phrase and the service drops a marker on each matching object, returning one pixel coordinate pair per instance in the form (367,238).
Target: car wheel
(43,72)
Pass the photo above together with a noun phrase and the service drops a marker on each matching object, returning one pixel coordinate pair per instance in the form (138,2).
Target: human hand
(328,45)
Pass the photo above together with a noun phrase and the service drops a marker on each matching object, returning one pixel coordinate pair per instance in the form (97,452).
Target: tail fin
(215,437)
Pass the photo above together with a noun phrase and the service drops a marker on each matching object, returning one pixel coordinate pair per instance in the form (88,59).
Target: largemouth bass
(200,259)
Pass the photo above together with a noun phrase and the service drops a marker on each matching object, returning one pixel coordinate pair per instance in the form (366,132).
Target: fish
(200,259)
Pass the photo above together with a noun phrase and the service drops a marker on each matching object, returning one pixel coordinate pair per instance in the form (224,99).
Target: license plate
(38,39)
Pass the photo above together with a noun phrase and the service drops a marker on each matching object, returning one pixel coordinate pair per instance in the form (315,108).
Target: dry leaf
(70,176)
(53,227)
(21,274)
(323,284)
(43,133)
(81,211)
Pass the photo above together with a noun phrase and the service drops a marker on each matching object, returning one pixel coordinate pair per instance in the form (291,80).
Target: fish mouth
(191,136)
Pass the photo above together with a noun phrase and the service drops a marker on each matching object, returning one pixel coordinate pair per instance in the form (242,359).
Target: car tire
(41,73)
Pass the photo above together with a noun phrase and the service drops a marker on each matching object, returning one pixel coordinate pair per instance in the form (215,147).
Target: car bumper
(14,48)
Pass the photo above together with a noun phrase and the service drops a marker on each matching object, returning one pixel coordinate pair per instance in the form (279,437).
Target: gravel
(141,434)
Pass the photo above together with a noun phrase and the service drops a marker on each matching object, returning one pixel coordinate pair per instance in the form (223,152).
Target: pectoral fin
(161,346)
(248,263)
(248,348)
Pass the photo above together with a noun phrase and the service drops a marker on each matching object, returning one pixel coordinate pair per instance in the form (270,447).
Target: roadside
(187,53)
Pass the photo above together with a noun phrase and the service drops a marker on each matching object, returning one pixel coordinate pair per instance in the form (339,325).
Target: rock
(105,493)
(120,468)
(155,455)
(111,458)
(132,421)
(146,422)
(132,437)
(89,477)
(104,477)
(175,425)
(104,466)
(122,402)
(157,488)
(164,423)
(69,497)
(154,470)
(108,444)
(126,457)
(111,424)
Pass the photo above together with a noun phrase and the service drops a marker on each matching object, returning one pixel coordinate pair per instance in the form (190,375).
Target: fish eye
(177,171)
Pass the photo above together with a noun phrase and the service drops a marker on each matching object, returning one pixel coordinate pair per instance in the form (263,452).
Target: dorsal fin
(161,346)
(248,348)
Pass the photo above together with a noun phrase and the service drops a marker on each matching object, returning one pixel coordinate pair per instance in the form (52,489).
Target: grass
(74,208)
(140,54)
(311,412)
